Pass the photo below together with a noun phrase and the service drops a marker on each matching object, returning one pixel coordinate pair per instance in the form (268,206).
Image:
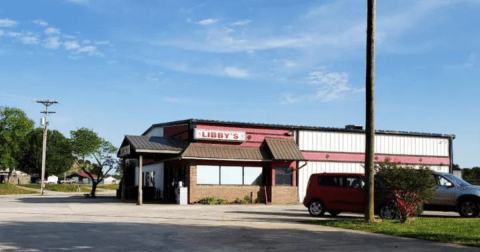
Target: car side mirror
(448,184)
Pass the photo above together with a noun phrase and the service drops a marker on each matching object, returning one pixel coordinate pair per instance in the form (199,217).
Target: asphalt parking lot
(75,223)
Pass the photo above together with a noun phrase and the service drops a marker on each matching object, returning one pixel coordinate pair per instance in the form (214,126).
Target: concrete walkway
(51,223)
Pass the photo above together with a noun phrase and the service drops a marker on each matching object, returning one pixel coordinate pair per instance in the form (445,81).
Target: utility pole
(47,103)
(370,113)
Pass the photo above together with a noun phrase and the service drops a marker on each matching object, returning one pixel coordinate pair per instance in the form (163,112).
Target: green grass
(61,187)
(108,187)
(460,231)
(12,189)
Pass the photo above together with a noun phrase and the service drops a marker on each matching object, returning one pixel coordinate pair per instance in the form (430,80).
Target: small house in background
(110,180)
(81,177)
(52,179)
(17,177)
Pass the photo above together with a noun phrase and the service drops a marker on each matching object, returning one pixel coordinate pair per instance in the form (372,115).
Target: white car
(68,181)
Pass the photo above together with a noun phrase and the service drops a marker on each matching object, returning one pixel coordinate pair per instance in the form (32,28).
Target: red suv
(340,192)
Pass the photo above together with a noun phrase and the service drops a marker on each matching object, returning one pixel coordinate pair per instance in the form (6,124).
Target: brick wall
(284,194)
(228,192)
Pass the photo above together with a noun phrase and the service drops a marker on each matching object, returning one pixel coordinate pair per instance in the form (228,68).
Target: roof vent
(354,127)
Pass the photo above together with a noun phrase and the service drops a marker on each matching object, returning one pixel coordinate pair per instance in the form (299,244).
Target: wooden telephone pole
(370,113)
(47,103)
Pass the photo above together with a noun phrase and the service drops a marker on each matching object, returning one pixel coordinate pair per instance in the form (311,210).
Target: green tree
(59,157)
(471,174)
(87,144)
(14,126)
(405,186)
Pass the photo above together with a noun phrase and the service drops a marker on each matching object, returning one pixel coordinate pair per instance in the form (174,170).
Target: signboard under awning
(219,135)
(124,151)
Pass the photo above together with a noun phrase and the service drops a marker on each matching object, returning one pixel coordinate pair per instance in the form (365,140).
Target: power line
(45,123)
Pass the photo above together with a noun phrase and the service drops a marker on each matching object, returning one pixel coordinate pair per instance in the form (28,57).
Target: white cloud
(236,72)
(330,85)
(7,22)
(2,33)
(289,63)
(289,99)
(51,30)
(71,45)
(242,22)
(154,77)
(40,22)
(29,39)
(104,42)
(52,43)
(315,32)
(90,51)
(14,34)
(68,36)
(207,21)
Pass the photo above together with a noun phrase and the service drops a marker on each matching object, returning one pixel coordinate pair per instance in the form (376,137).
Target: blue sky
(118,66)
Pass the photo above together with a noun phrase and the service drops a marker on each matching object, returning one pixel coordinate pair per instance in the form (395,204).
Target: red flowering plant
(405,187)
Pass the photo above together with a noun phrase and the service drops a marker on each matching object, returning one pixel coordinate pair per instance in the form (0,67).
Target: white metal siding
(157,131)
(338,167)
(384,144)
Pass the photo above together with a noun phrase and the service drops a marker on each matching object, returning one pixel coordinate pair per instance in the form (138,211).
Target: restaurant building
(271,162)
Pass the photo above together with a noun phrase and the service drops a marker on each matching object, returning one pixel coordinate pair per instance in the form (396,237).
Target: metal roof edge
(168,124)
(298,127)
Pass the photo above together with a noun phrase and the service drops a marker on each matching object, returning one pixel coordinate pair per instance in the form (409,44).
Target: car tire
(316,208)
(334,213)
(388,212)
(469,208)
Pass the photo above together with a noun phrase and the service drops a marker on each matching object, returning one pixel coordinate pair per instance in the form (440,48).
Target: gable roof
(153,144)
(284,149)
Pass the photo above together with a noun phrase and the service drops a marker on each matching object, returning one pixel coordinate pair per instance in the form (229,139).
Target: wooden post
(123,178)
(44,156)
(140,180)
(370,113)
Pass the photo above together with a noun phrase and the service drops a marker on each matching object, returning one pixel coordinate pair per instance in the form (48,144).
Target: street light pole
(47,103)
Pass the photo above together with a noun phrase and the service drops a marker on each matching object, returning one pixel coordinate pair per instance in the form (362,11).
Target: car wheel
(469,209)
(388,212)
(316,208)
(334,213)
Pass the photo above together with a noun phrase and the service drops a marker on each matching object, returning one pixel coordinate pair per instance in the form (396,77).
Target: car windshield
(457,180)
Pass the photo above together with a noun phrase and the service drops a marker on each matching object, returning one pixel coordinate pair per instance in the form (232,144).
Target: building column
(140,180)
(272,169)
(294,166)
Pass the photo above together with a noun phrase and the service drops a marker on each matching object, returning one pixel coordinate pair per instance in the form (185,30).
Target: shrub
(405,187)
(246,200)
(212,201)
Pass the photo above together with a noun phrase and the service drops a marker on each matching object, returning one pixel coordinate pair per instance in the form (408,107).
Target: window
(350,182)
(208,174)
(252,175)
(355,182)
(283,176)
(229,175)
